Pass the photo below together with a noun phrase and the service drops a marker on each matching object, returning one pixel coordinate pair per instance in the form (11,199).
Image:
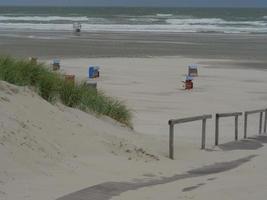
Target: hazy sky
(203,3)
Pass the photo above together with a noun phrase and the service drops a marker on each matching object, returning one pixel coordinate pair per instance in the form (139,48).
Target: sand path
(107,190)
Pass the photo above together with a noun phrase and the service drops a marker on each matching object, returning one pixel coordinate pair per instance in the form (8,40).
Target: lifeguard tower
(193,70)
(188,83)
(77,27)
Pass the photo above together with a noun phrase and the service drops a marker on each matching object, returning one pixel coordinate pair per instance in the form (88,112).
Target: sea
(123,19)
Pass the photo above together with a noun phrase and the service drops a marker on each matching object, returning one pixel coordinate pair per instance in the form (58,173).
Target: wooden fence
(220,115)
(172,122)
(204,118)
(247,113)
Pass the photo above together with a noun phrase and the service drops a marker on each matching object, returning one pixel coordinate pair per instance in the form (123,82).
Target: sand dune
(40,139)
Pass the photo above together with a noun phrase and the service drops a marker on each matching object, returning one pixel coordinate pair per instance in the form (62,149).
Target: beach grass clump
(53,87)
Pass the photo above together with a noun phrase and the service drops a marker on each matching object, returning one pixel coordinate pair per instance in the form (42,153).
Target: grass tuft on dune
(52,87)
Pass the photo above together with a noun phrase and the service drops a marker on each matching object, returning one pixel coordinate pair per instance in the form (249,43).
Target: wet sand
(108,44)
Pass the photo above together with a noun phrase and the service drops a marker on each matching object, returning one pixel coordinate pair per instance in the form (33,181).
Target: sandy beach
(153,87)
(50,151)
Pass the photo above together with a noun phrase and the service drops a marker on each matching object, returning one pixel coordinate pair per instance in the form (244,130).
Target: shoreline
(8,30)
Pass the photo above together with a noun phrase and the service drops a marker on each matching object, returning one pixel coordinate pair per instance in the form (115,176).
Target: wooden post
(217,130)
(265,121)
(260,124)
(236,127)
(245,125)
(171,143)
(203,141)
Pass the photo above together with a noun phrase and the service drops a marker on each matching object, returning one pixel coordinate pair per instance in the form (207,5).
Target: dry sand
(48,151)
(153,89)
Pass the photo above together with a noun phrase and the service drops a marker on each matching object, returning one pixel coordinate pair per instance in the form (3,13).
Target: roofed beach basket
(193,70)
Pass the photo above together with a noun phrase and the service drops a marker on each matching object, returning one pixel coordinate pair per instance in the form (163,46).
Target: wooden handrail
(172,122)
(246,113)
(204,118)
(189,119)
(229,114)
(220,115)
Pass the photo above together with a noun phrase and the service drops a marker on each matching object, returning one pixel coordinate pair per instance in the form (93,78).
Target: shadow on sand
(252,143)
(107,190)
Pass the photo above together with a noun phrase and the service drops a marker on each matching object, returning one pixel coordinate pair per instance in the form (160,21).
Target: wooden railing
(260,120)
(172,122)
(220,115)
(204,118)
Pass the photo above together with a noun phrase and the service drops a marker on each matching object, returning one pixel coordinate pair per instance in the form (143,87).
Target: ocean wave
(213,21)
(164,15)
(43,18)
(142,20)
(264,17)
(34,26)
(135,28)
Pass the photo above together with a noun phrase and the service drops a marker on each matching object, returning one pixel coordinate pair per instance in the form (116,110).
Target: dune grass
(53,87)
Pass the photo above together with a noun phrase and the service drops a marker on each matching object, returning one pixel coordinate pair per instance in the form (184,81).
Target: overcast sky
(202,3)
